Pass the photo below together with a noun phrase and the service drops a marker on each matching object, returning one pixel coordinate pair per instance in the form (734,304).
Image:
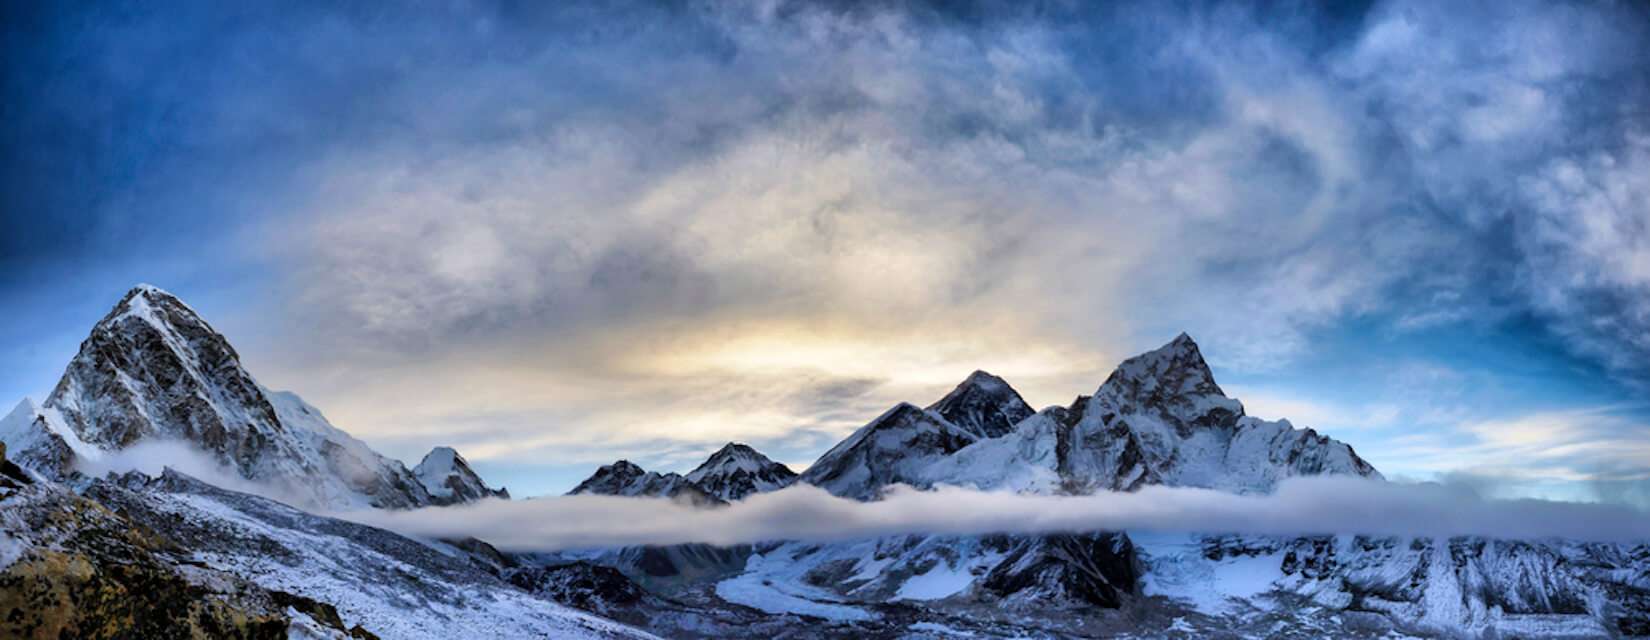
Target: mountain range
(176,556)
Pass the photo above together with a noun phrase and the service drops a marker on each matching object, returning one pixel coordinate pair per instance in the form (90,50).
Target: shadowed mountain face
(983,405)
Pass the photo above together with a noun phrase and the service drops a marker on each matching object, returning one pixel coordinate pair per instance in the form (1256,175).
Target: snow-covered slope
(154,370)
(73,568)
(736,471)
(897,447)
(625,478)
(450,480)
(235,543)
(1448,587)
(1027,459)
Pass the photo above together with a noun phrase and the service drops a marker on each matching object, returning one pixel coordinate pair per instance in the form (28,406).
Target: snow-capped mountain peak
(736,470)
(152,366)
(984,405)
(1173,381)
(450,480)
(1159,418)
(154,370)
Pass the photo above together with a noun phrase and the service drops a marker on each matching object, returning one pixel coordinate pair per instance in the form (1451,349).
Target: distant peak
(442,456)
(624,466)
(734,448)
(737,470)
(983,405)
(733,454)
(450,480)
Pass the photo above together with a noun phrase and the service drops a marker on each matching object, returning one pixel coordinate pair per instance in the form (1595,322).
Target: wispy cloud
(1594,452)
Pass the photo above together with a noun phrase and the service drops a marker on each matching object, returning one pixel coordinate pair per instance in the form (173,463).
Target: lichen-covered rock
(79,570)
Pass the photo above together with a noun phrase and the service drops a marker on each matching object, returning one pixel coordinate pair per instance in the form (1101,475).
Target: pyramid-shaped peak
(733,455)
(154,367)
(739,449)
(983,405)
(450,480)
(1179,361)
(738,470)
(624,466)
(982,378)
(157,307)
(1173,378)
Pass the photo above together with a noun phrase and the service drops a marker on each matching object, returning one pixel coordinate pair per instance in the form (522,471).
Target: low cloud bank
(152,457)
(1301,506)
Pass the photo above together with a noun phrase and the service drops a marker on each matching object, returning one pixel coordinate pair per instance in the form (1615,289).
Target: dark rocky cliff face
(153,369)
(984,405)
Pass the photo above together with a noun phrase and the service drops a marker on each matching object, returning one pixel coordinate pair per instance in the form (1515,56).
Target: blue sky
(552,236)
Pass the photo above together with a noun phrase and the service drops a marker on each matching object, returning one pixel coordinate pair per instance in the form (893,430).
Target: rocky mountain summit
(983,405)
(449,479)
(736,470)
